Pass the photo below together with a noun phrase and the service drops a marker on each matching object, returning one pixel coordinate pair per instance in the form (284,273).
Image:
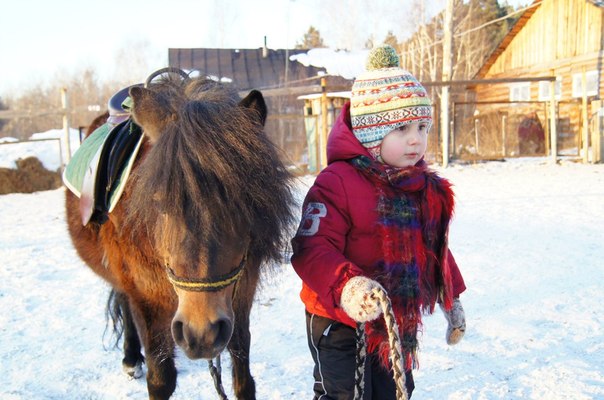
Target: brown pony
(207,210)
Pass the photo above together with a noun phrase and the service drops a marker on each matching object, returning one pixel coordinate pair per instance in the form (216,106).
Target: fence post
(552,116)
(597,144)
(504,120)
(323,123)
(447,74)
(584,118)
(476,134)
(65,104)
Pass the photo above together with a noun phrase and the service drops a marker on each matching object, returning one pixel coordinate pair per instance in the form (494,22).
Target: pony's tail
(114,315)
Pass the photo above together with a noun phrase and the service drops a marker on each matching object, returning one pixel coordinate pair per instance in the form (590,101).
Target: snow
(49,147)
(347,64)
(527,235)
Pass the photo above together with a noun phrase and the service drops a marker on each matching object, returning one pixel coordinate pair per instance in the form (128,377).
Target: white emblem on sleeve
(311,219)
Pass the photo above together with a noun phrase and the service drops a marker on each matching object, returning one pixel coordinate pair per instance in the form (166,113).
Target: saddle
(98,170)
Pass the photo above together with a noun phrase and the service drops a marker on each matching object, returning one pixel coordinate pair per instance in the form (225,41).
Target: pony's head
(213,197)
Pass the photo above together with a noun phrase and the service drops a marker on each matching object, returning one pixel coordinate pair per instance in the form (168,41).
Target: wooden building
(553,38)
(273,73)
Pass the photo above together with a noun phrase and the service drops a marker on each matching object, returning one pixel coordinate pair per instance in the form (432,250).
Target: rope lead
(216,372)
(394,342)
(359,372)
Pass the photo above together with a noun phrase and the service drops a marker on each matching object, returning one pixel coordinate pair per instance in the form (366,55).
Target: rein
(396,353)
(206,284)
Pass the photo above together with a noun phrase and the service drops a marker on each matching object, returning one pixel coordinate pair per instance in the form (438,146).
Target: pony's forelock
(214,170)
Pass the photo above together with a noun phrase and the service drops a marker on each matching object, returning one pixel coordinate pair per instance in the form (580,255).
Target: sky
(40,39)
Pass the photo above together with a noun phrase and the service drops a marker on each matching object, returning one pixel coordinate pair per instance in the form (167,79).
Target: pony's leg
(239,348)
(152,320)
(239,345)
(118,309)
(133,359)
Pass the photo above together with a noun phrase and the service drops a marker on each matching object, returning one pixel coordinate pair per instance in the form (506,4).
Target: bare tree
(391,40)
(422,52)
(311,40)
(3,107)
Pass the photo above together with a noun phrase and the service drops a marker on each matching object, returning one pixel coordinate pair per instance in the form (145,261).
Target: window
(591,79)
(520,91)
(544,89)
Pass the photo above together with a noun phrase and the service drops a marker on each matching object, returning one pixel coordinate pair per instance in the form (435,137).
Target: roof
(259,68)
(522,20)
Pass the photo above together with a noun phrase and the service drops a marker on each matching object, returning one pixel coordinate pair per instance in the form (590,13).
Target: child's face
(405,146)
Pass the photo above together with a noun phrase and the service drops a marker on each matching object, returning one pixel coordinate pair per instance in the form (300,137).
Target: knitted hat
(384,98)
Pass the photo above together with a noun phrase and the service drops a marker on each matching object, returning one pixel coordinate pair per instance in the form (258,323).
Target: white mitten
(456,318)
(358,300)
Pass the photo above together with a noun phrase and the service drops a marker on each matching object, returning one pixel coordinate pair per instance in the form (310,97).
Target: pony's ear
(149,111)
(255,101)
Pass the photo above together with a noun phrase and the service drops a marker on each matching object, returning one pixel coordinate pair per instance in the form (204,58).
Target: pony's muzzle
(202,341)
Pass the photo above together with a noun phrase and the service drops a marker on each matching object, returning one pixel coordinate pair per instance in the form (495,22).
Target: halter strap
(206,284)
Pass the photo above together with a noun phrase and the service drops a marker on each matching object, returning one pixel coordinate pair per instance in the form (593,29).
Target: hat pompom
(382,57)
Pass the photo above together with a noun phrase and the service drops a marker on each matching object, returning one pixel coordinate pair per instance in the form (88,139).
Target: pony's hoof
(133,371)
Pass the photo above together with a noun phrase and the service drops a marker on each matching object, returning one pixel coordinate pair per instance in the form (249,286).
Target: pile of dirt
(30,176)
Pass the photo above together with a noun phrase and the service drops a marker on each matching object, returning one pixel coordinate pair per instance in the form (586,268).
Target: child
(376,217)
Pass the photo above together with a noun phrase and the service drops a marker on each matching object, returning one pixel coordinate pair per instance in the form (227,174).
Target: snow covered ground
(528,236)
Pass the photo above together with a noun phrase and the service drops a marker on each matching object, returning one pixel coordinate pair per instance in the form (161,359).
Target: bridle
(209,285)
(206,284)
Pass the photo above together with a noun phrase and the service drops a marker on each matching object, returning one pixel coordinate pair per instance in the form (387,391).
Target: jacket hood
(342,144)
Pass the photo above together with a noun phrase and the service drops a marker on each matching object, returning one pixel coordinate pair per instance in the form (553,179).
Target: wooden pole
(584,118)
(447,73)
(65,104)
(477,134)
(452,130)
(552,116)
(504,120)
(324,122)
(597,144)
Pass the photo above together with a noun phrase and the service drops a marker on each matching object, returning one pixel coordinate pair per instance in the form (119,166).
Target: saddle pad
(81,160)
(81,174)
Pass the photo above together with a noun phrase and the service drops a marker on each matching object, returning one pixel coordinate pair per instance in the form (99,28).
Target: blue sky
(41,38)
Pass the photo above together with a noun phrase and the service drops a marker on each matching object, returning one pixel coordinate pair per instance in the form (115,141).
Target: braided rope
(394,342)
(216,372)
(359,373)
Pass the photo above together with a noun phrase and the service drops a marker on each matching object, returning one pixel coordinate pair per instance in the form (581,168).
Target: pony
(203,216)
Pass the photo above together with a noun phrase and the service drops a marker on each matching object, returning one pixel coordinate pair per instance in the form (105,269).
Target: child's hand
(456,318)
(359,301)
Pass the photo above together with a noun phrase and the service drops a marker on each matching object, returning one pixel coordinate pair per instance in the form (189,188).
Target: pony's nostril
(206,342)
(224,329)
(178,331)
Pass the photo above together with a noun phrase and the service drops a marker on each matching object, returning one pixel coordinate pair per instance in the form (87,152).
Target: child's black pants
(333,348)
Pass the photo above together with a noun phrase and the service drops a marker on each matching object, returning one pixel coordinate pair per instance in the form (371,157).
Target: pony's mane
(212,167)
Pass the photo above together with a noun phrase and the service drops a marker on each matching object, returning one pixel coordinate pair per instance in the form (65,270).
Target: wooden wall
(559,30)
(561,38)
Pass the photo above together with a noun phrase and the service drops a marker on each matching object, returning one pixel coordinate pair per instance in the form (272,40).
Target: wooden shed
(271,71)
(553,38)
(320,113)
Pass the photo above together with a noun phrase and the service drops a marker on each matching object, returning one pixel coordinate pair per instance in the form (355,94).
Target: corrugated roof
(250,68)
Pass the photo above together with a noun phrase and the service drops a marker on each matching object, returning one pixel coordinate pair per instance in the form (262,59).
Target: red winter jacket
(338,237)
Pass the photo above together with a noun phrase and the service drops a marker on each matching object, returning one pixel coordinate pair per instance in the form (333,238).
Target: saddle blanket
(99,169)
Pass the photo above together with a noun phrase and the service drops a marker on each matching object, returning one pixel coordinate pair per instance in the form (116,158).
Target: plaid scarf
(414,208)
